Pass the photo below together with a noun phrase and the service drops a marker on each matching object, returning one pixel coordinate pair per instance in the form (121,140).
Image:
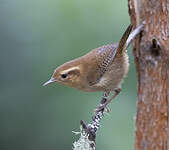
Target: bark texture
(151,52)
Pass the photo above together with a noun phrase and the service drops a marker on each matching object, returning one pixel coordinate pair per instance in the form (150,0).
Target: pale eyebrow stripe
(70,69)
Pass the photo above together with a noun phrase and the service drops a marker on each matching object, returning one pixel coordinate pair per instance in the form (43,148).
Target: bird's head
(67,74)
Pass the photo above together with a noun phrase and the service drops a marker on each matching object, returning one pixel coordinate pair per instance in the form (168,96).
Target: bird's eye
(64,75)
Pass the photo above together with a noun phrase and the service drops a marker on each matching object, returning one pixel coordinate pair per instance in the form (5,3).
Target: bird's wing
(105,56)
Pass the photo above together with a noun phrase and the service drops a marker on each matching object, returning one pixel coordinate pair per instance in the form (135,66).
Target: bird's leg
(106,101)
(117,91)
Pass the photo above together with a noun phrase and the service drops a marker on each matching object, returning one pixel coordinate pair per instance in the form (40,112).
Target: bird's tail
(127,37)
(123,40)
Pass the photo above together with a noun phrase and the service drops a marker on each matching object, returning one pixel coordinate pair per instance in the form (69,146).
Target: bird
(103,69)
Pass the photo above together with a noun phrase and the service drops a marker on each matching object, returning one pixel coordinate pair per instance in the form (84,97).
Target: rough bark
(151,52)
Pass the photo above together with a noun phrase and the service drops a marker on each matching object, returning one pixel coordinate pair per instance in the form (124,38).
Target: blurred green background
(36,36)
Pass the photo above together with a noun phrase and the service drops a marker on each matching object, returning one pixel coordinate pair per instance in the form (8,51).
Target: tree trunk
(151,52)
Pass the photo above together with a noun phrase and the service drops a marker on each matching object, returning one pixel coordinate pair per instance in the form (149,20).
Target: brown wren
(102,69)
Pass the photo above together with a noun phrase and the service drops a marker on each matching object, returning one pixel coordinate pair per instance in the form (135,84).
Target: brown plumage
(102,69)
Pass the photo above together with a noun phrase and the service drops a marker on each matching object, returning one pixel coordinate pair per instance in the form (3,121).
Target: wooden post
(151,52)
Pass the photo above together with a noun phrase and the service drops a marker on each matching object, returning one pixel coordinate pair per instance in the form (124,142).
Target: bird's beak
(50,81)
